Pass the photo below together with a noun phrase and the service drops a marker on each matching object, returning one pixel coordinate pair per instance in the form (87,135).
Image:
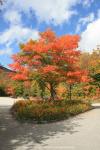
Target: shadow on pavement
(14,134)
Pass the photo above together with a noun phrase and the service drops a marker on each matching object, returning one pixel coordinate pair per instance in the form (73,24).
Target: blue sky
(22,21)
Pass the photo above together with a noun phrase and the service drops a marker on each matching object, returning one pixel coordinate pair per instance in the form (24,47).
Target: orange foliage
(50,54)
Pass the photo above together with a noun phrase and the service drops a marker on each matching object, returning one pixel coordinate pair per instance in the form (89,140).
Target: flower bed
(41,112)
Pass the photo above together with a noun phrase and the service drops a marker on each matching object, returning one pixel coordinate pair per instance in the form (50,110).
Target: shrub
(47,111)
(2,91)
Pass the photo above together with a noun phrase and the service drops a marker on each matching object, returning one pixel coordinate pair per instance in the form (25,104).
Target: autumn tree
(91,62)
(50,60)
(95,69)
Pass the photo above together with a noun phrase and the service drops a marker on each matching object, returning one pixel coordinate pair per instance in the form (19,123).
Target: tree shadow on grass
(15,135)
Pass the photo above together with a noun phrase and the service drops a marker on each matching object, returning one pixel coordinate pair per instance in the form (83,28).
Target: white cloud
(15,35)
(85,20)
(12,16)
(98,13)
(50,11)
(6,51)
(87,3)
(90,38)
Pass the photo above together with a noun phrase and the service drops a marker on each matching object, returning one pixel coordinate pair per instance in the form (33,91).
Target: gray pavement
(78,133)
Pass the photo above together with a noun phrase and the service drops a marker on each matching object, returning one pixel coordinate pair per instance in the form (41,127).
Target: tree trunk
(52,92)
(70,92)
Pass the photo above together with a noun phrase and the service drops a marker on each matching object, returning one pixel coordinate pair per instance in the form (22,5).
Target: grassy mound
(41,112)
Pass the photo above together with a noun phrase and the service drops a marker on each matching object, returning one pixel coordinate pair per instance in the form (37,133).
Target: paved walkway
(77,133)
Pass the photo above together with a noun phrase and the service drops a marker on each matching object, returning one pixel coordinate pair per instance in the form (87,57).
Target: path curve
(78,133)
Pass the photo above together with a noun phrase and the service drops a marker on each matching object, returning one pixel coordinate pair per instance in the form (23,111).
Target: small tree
(50,60)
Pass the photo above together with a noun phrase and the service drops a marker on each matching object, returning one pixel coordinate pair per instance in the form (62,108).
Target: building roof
(5,69)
